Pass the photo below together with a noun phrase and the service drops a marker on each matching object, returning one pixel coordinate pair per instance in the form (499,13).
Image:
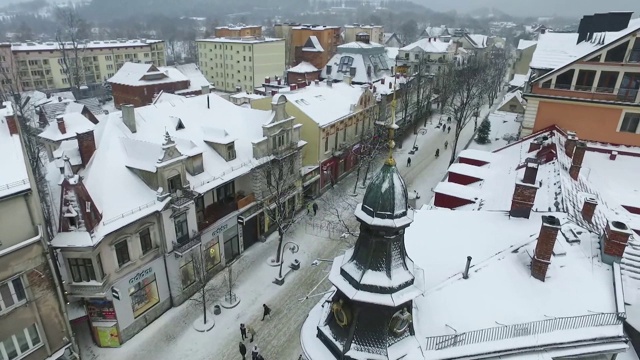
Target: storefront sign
(219,230)
(100,310)
(141,275)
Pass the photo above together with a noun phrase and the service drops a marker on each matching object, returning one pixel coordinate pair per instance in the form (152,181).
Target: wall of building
(376,33)
(16,220)
(268,60)
(329,39)
(521,65)
(595,122)
(225,31)
(143,95)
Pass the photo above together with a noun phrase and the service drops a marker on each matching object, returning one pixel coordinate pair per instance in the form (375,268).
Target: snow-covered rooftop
(121,196)
(133,74)
(509,96)
(74,123)
(524,44)
(197,80)
(34,46)
(13,177)
(519,80)
(243,40)
(369,61)
(303,68)
(428,45)
(479,41)
(325,104)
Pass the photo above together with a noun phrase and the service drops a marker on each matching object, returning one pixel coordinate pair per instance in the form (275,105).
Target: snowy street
(172,336)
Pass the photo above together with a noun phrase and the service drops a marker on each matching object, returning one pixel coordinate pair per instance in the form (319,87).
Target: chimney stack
(87,146)
(465,274)
(544,247)
(317,82)
(61,126)
(531,171)
(293,87)
(570,143)
(301,84)
(535,145)
(12,124)
(524,196)
(347,79)
(576,161)
(589,208)
(616,236)
(205,89)
(129,117)
(267,80)
(274,92)
(278,81)
(613,155)
(382,81)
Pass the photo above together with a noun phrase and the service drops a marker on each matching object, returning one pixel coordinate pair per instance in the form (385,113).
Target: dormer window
(231,152)
(174,183)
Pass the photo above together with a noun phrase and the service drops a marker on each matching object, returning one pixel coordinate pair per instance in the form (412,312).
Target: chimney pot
(613,155)
(544,247)
(589,208)
(616,236)
(465,274)
(61,125)
(317,82)
(279,81)
(522,201)
(12,125)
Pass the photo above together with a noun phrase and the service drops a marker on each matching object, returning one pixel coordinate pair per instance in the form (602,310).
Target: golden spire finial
(392,127)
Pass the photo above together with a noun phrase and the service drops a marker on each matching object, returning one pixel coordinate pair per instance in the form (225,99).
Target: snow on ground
(503,126)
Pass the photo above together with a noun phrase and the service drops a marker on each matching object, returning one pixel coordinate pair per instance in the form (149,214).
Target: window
(585,80)
(630,123)
(100,269)
(212,256)
(108,58)
(416,56)
(182,228)
(122,253)
(356,129)
(45,62)
(344,135)
(335,140)
(634,56)
(187,273)
(629,87)
(326,144)
(174,183)
(146,55)
(268,173)
(82,269)
(406,56)
(617,53)
(345,64)
(607,81)
(33,62)
(563,81)
(146,244)
(231,152)
(226,192)
(12,294)
(144,295)
(20,343)
(109,67)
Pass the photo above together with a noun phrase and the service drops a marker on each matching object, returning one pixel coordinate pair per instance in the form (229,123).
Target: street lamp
(294,249)
(421,131)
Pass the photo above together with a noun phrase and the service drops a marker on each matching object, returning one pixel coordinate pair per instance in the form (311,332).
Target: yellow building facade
(241,63)
(39,65)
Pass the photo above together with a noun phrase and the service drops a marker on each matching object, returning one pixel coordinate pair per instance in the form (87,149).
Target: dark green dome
(386,195)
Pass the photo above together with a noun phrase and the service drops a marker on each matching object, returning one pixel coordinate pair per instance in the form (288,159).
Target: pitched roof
(197,80)
(74,123)
(524,44)
(369,60)
(303,68)
(312,44)
(428,45)
(478,41)
(133,74)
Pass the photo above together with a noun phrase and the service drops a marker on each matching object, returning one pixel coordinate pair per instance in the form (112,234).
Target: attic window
(329,69)
(88,205)
(595,59)
(563,81)
(345,64)
(617,53)
(179,125)
(231,152)
(72,222)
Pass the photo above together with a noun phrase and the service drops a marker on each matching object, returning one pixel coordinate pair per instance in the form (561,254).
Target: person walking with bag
(243,332)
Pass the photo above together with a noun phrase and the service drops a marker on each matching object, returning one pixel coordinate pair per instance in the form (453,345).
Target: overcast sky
(575,8)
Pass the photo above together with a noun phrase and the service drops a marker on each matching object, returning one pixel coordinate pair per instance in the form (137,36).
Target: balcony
(89,288)
(624,95)
(220,209)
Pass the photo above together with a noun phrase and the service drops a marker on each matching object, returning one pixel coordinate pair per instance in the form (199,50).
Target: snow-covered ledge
(619,293)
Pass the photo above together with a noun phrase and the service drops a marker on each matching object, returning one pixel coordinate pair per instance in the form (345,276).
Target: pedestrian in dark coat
(255,352)
(315,209)
(265,311)
(243,350)
(243,332)
(448,129)
(408,162)
(259,357)
(444,128)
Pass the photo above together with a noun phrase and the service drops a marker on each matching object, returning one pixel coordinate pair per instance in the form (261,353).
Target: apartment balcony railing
(627,95)
(525,329)
(89,288)
(182,247)
(217,211)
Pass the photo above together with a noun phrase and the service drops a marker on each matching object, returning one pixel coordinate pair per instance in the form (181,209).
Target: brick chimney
(12,124)
(531,171)
(293,87)
(570,143)
(61,126)
(87,146)
(382,81)
(267,80)
(544,247)
(589,208)
(535,145)
(522,202)
(576,161)
(616,236)
(613,155)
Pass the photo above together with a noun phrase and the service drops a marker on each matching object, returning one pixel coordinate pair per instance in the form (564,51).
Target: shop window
(81,269)
(585,80)
(144,295)
(212,256)
(630,123)
(617,53)
(18,344)
(182,228)
(187,272)
(607,81)
(563,81)
(12,294)
(122,253)
(146,244)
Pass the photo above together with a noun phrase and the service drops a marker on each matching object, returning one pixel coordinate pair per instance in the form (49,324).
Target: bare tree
(200,276)
(71,47)
(280,181)
(468,86)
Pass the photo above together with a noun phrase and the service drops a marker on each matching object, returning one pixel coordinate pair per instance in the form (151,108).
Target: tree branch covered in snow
(70,36)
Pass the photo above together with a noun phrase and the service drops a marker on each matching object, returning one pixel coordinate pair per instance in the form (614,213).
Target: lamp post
(294,249)
(421,131)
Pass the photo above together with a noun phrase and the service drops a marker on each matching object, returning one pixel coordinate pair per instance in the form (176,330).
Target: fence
(525,329)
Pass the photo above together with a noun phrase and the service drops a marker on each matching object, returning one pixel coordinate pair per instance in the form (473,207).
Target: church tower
(371,312)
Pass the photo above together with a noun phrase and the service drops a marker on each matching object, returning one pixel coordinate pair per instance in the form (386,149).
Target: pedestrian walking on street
(259,357)
(309,208)
(252,332)
(265,311)
(449,129)
(408,162)
(255,352)
(315,210)
(243,350)
(449,120)
(243,332)
(437,153)
(446,143)
(444,128)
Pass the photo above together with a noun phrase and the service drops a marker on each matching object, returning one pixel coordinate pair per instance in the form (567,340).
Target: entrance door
(250,232)
(231,248)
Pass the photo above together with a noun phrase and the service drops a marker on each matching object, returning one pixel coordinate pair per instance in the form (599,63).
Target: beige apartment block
(40,65)
(241,62)
(376,32)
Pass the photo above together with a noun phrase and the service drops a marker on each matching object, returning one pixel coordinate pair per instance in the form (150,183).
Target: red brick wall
(462,179)
(293,78)
(449,202)
(473,162)
(143,95)
(522,201)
